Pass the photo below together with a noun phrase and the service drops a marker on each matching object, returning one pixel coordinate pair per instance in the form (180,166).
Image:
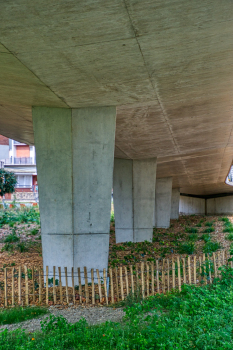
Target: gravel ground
(93,315)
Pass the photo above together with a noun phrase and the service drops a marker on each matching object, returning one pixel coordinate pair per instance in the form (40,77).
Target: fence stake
(147,280)
(72,276)
(215,269)
(5,286)
(173,274)
(80,285)
(184,270)
(19,285)
(189,271)
(54,285)
(195,269)
(105,286)
(26,286)
(60,285)
(209,269)
(66,277)
(163,278)
(223,257)
(153,278)
(126,281)
(117,289)
(33,285)
(179,279)
(200,269)
(40,286)
(112,289)
(121,284)
(168,275)
(99,285)
(92,287)
(86,285)
(142,277)
(132,279)
(204,268)
(157,275)
(47,285)
(13,286)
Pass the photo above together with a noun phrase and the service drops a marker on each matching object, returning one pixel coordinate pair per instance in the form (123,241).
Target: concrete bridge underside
(164,67)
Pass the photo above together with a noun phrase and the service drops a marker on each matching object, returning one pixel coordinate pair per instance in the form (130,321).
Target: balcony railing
(19,160)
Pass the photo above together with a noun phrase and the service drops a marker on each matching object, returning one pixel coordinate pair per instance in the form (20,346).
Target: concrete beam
(175,202)
(75,154)
(134,199)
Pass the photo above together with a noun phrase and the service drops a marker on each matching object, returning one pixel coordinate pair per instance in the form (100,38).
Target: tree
(7,183)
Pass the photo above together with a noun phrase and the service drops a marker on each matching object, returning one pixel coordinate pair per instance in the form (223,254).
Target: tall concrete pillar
(163,194)
(175,202)
(134,199)
(75,155)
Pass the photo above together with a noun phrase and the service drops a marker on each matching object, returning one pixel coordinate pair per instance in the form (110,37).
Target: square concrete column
(163,194)
(75,156)
(134,199)
(175,202)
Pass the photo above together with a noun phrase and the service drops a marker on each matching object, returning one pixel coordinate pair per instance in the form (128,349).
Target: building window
(24,181)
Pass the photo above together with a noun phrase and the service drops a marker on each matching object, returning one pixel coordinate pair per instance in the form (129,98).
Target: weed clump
(191,229)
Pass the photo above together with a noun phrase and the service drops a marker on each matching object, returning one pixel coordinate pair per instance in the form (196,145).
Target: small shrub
(21,247)
(191,229)
(211,247)
(187,248)
(198,225)
(209,223)
(8,247)
(206,237)
(11,238)
(208,230)
(230,236)
(34,231)
(193,237)
(112,217)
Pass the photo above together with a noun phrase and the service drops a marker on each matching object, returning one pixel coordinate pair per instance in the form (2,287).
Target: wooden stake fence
(25,286)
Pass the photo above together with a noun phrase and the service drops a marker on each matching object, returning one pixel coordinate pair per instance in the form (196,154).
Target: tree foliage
(7,182)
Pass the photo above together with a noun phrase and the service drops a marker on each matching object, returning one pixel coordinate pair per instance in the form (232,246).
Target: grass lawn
(196,318)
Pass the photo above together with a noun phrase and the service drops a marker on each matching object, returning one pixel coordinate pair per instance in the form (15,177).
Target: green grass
(186,248)
(19,314)
(191,229)
(211,247)
(11,238)
(195,318)
(209,223)
(229,236)
(208,230)
(206,237)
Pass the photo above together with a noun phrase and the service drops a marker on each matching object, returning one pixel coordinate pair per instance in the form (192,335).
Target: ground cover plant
(195,318)
(19,314)
(20,239)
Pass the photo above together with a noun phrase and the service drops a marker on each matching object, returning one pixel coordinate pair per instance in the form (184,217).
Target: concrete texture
(175,203)
(166,66)
(220,205)
(192,205)
(163,194)
(134,199)
(75,153)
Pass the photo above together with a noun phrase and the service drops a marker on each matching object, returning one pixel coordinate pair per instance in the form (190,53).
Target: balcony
(20,161)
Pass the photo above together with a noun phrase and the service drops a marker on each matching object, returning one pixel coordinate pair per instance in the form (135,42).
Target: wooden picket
(22,286)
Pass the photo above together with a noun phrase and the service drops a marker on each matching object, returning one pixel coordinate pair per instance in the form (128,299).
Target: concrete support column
(134,199)
(163,194)
(75,155)
(175,202)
